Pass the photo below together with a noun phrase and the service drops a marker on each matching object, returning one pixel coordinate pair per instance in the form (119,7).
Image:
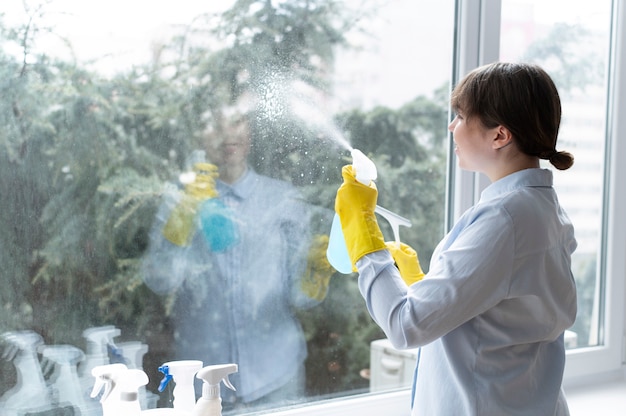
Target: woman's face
(474,143)
(230,146)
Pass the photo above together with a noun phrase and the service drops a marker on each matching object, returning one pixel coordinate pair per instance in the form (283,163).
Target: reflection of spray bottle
(30,392)
(182,372)
(99,342)
(218,227)
(210,404)
(64,381)
(107,382)
(337,253)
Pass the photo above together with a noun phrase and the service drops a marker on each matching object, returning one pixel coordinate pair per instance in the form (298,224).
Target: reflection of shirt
(491,312)
(236,306)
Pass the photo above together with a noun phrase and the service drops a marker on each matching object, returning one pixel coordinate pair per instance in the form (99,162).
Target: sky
(119,34)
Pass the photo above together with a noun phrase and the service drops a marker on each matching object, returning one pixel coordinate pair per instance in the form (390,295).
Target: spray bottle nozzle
(165,369)
(364,167)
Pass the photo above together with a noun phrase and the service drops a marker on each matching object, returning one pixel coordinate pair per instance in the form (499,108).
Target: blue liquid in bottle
(217,225)
(337,252)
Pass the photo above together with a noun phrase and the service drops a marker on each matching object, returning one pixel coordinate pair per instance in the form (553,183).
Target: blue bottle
(337,252)
(218,227)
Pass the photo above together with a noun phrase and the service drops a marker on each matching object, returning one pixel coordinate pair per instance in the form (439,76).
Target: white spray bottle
(182,372)
(107,378)
(210,404)
(130,381)
(133,353)
(65,384)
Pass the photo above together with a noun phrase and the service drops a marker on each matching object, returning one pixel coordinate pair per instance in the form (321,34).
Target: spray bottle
(99,340)
(107,380)
(182,372)
(64,382)
(31,391)
(337,253)
(210,404)
(133,353)
(130,381)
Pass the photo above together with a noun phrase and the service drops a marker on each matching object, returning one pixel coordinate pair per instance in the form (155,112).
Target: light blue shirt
(491,312)
(238,305)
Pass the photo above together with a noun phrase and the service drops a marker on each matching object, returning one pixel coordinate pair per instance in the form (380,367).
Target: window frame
(476,43)
(606,361)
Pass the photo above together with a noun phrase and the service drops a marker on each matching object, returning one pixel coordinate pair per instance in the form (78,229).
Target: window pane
(168,182)
(571,41)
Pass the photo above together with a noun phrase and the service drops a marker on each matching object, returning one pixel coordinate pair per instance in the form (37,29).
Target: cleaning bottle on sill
(210,404)
(107,381)
(130,382)
(182,373)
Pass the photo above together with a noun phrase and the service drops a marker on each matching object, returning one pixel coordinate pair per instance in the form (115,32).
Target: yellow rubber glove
(318,271)
(180,226)
(355,205)
(407,262)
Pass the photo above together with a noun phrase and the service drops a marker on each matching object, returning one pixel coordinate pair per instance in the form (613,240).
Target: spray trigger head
(105,378)
(364,167)
(167,377)
(212,376)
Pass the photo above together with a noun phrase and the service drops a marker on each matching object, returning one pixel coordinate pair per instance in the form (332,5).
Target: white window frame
(606,362)
(478,34)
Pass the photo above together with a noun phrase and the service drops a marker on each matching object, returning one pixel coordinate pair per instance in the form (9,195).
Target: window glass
(571,40)
(168,173)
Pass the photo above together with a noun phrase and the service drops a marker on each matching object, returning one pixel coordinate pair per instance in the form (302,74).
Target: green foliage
(560,53)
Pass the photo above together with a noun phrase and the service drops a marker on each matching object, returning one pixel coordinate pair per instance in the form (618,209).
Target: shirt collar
(535,177)
(242,187)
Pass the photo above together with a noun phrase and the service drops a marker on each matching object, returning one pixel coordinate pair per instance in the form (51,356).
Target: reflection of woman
(490,315)
(236,305)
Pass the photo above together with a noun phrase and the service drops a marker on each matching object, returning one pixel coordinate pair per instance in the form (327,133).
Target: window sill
(610,396)
(583,400)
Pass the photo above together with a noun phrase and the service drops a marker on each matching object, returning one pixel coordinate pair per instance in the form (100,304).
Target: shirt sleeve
(470,272)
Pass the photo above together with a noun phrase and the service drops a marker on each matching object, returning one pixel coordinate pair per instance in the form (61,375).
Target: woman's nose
(451,125)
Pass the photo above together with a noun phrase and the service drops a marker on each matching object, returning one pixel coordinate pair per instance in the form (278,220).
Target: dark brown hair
(521,97)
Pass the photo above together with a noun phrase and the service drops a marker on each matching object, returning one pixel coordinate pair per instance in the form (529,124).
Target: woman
(491,313)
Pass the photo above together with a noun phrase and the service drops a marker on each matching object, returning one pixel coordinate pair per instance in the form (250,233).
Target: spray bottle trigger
(167,377)
(102,381)
(228,384)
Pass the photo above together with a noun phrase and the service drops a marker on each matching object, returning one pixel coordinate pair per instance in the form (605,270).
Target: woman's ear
(503,138)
